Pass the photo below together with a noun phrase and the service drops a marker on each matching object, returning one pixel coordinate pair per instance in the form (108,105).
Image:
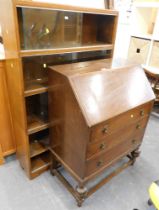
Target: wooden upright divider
(31,45)
(7,140)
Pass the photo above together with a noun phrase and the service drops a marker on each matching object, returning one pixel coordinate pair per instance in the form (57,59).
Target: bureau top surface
(104,93)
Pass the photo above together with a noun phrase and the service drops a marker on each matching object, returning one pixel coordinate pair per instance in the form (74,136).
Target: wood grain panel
(6,138)
(105,94)
(67,136)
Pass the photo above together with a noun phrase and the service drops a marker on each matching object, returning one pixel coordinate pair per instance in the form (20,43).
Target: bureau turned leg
(134,155)
(81,194)
(54,165)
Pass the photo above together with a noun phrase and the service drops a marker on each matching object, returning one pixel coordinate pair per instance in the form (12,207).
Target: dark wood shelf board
(95,47)
(40,163)
(34,88)
(36,124)
(37,148)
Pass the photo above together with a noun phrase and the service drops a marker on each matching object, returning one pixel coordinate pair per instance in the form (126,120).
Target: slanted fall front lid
(106,93)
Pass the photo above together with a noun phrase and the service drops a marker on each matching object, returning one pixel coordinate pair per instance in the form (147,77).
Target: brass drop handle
(44,65)
(134,141)
(138,126)
(105,130)
(99,163)
(142,113)
(102,146)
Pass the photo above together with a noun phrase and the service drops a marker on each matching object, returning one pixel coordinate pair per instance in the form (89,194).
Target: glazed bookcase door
(55,29)
(35,68)
(63,29)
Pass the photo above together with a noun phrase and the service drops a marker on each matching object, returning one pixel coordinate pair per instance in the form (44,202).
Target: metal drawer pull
(102,146)
(134,141)
(99,163)
(142,113)
(138,126)
(105,130)
(44,65)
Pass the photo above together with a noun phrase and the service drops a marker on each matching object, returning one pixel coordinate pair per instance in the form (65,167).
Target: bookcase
(145,33)
(37,35)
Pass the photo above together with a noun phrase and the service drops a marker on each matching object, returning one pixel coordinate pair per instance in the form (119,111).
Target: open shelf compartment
(40,162)
(37,112)
(39,143)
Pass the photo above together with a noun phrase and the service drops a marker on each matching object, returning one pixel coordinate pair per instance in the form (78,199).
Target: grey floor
(127,191)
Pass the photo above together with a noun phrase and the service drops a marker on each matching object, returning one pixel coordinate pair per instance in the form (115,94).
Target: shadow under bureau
(97,116)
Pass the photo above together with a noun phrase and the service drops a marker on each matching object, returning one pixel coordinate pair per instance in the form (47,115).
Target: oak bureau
(98,115)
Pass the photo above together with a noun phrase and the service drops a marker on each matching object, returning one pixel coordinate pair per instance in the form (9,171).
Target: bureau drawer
(117,123)
(101,162)
(117,138)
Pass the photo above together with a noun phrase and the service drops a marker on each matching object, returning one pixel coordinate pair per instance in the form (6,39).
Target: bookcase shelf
(35,87)
(37,148)
(94,47)
(40,162)
(36,124)
(39,142)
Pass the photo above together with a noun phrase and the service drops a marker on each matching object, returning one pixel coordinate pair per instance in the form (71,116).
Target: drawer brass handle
(99,163)
(102,146)
(134,141)
(44,65)
(138,126)
(105,130)
(142,113)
